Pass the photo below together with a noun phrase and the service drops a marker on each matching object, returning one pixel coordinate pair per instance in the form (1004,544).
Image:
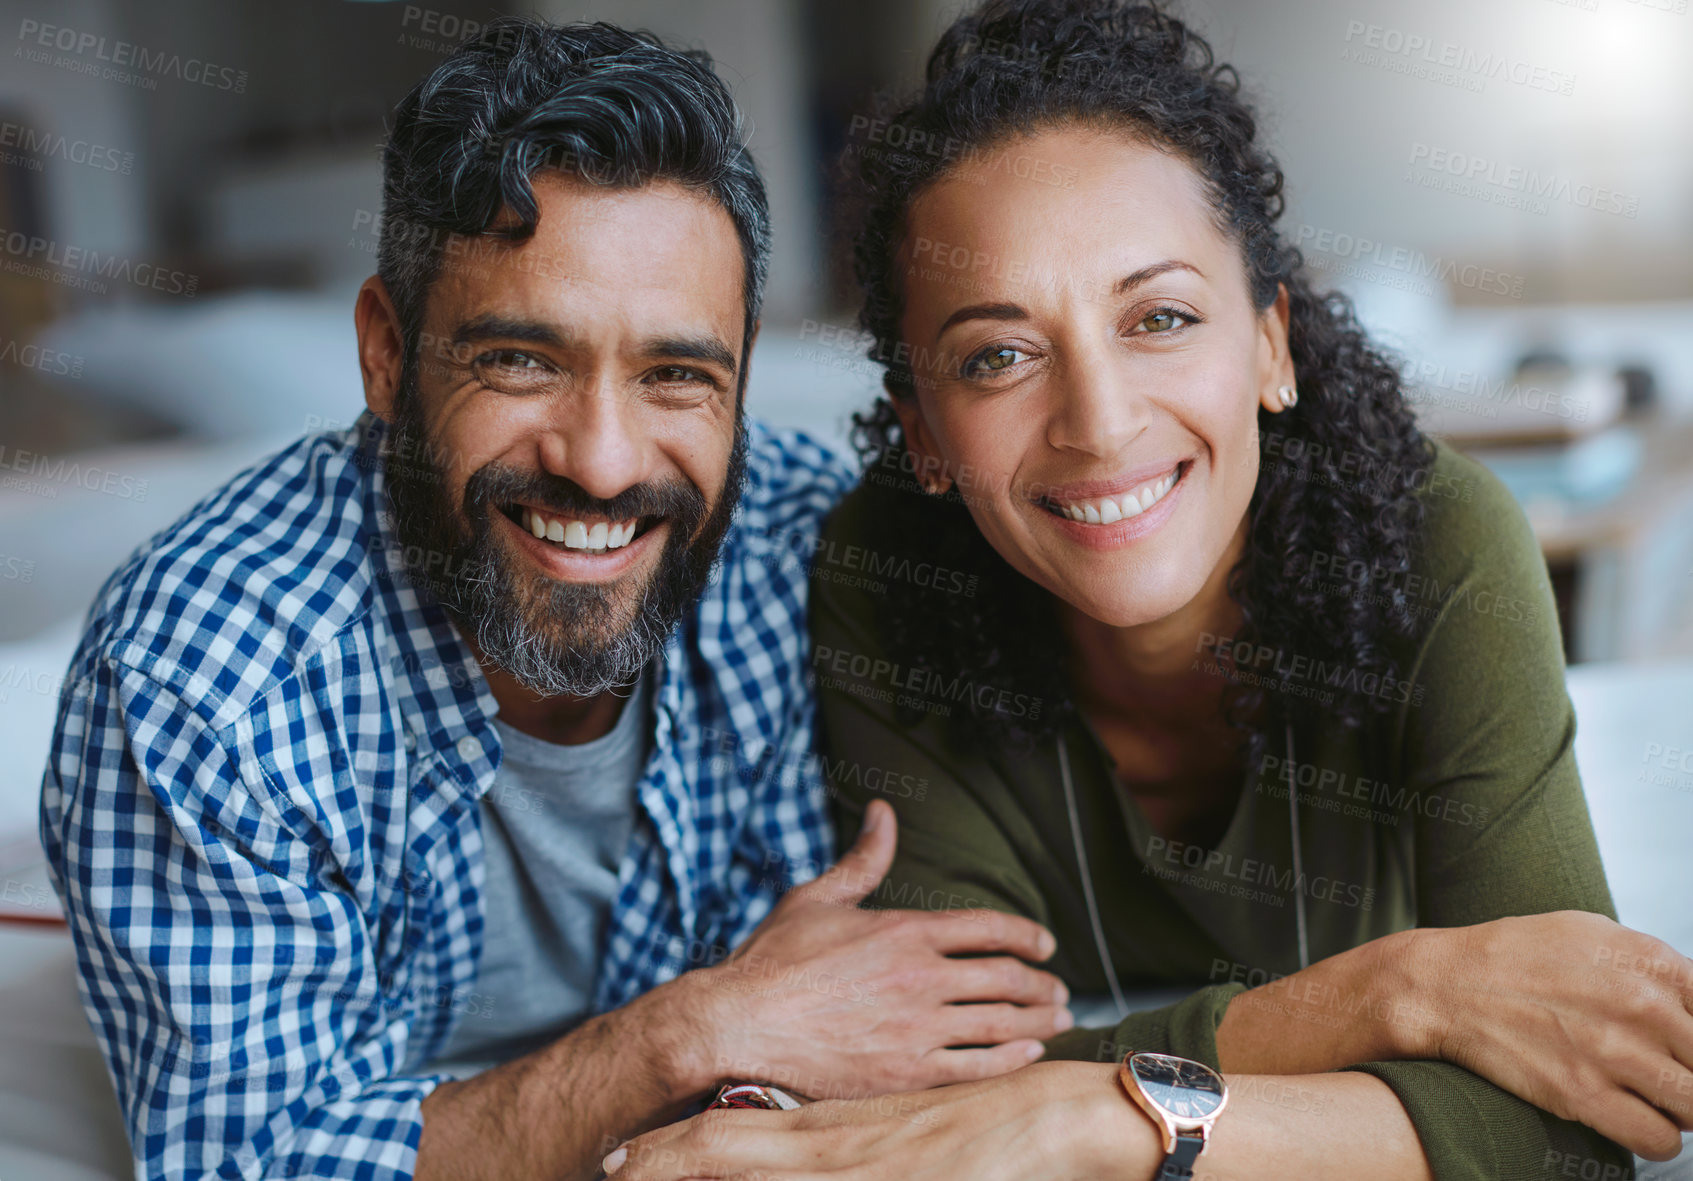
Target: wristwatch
(757,1095)
(1183,1097)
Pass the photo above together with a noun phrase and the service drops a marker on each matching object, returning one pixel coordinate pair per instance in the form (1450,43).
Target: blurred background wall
(189,191)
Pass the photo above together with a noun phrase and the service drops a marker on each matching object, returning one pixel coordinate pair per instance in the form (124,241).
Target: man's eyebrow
(690,348)
(681,348)
(984,311)
(1011,311)
(492,327)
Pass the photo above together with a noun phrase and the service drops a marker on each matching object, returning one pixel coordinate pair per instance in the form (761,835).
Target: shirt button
(469,747)
(411,740)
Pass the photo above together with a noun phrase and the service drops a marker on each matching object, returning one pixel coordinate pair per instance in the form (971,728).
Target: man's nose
(597,440)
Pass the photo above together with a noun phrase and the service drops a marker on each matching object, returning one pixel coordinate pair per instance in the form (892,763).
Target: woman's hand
(1054,1120)
(1574,1013)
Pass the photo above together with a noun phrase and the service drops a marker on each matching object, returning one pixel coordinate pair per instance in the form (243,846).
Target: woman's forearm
(1274,1128)
(1363,1005)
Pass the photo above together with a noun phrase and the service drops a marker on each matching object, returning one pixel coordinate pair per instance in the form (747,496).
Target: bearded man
(400,788)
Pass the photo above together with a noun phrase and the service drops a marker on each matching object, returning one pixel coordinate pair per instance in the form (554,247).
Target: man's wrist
(679,1028)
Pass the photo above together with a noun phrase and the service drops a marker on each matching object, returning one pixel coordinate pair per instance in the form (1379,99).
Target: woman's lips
(1109,522)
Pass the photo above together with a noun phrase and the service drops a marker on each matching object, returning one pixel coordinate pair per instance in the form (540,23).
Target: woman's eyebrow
(1012,311)
(1135,278)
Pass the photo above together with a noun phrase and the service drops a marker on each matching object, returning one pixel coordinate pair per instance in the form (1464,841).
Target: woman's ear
(920,442)
(1277,390)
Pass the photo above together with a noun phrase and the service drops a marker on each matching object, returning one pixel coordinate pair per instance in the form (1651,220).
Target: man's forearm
(552,1114)
(1359,1006)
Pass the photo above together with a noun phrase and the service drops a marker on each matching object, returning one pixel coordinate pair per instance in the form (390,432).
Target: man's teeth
(578,534)
(1107,510)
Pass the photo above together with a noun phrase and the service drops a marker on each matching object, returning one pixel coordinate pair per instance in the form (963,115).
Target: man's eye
(678,375)
(993,359)
(511,359)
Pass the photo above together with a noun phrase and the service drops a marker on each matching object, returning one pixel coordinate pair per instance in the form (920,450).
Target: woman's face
(1081,333)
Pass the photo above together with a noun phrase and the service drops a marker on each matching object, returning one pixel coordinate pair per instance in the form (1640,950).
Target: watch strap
(1178,1165)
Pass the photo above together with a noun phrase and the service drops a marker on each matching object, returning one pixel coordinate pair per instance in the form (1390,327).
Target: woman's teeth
(596,538)
(1108,510)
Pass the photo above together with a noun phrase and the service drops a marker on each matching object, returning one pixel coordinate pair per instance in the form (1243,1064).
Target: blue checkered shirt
(261,813)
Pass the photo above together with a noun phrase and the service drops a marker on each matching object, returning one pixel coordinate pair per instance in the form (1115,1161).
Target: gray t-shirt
(554,826)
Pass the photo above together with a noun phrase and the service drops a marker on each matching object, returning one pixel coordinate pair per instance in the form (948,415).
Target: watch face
(1186,1090)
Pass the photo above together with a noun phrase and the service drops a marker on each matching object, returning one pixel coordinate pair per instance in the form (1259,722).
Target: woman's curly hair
(1339,474)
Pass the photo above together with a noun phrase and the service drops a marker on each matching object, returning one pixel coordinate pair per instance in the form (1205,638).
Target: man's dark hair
(608,105)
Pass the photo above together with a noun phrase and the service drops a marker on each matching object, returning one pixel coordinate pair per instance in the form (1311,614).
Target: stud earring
(1289,397)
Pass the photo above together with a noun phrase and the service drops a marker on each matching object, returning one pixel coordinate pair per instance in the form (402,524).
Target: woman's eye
(1163,320)
(994,359)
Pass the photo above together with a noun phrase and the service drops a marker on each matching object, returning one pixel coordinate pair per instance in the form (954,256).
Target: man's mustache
(497,485)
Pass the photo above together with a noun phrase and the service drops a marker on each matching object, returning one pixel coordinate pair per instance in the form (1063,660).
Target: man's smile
(583,548)
(592,533)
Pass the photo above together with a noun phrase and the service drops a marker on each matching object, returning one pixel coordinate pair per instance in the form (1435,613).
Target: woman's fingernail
(614,1161)
(1035,1050)
(1063,1019)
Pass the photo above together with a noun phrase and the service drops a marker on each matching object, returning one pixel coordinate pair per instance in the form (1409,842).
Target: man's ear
(381,347)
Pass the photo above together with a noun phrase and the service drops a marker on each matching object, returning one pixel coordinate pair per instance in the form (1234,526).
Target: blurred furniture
(1614,516)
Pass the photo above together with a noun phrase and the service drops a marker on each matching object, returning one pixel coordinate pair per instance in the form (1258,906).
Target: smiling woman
(1233,701)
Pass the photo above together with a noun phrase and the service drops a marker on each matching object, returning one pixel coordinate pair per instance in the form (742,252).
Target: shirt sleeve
(1490,725)
(236,999)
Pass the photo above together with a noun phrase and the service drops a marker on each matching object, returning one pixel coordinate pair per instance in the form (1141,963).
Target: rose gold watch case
(1169,1123)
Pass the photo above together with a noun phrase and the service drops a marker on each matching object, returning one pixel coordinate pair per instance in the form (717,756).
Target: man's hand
(830,1000)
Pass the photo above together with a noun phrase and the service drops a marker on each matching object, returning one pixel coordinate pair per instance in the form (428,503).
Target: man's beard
(555,638)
